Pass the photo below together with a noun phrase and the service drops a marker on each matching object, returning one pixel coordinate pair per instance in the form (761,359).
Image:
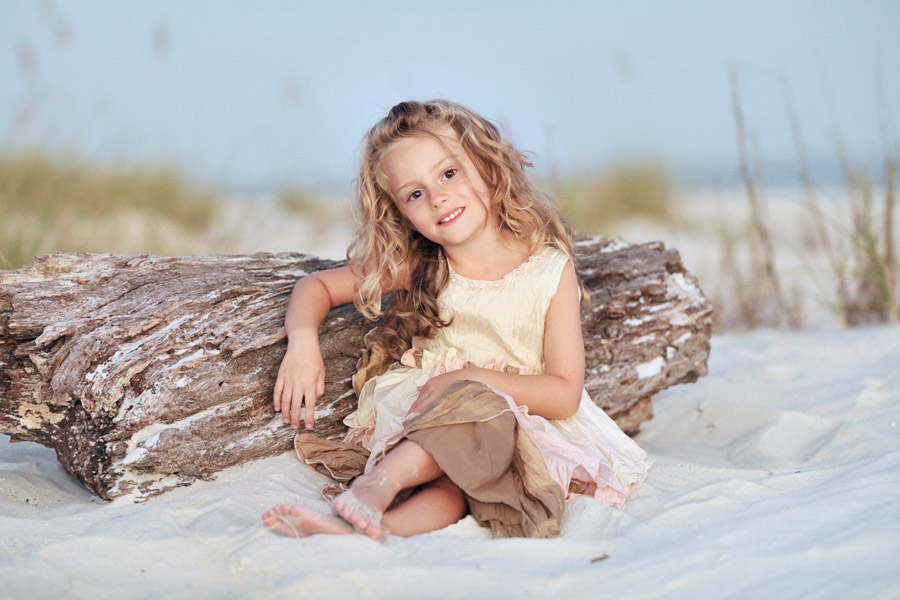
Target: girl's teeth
(452,215)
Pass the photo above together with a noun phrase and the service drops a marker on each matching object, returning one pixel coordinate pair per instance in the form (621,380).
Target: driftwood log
(147,372)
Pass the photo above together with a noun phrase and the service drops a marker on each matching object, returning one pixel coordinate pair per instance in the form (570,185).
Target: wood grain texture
(147,372)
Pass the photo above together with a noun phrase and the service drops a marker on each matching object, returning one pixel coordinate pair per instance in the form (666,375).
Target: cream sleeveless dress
(500,325)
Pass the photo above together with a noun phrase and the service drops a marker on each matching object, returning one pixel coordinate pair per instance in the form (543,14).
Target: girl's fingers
(310,399)
(285,402)
(289,398)
(276,394)
(296,405)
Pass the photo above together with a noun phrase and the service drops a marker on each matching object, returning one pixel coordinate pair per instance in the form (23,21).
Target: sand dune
(776,476)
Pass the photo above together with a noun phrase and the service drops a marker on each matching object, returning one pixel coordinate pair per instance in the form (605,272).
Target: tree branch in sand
(147,372)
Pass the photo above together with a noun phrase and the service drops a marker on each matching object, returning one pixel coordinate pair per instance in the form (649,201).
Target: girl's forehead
(417,144)
(411,156)
(443,137)
(408,151)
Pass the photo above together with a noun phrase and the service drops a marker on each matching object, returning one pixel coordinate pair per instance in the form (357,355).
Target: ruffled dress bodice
(502,318)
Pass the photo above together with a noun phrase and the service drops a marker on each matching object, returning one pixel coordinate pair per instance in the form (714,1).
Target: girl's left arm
(556,393)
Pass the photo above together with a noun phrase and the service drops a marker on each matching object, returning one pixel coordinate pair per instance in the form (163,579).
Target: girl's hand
(301,378)
(434,388)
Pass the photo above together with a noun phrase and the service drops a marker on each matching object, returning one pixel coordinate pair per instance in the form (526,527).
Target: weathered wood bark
(146,372)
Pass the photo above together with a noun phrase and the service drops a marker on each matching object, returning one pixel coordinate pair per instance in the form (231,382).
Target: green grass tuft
(595,204)
(52,204)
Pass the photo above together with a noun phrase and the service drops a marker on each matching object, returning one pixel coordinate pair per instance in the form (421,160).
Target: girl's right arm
(301,377)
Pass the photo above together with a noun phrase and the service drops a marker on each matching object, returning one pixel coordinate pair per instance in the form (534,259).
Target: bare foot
(298,521)
(355,510)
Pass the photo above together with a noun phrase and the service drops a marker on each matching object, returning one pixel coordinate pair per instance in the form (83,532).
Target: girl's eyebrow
(400,188)
(434,167)
(437,165)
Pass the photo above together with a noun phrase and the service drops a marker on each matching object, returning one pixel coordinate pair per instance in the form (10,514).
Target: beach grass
(854,239)
(317,206)
(844,243)
(50,203)
(596,203)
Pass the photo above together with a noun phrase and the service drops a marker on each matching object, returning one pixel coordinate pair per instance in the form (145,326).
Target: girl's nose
(439,198)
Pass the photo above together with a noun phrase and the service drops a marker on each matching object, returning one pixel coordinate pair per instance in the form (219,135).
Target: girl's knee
(452,493)
(442,482)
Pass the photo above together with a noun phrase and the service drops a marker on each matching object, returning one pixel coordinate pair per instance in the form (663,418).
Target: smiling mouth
(451,216)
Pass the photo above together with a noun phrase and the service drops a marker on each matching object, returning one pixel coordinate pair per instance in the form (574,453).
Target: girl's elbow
(569,406)
(570,411)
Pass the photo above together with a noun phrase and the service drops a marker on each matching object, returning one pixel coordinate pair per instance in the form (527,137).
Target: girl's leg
(436,505)
(404,466)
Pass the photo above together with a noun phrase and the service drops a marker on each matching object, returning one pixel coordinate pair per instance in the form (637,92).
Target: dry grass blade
(823,239)
(874,298)
(786,316)
(890,198)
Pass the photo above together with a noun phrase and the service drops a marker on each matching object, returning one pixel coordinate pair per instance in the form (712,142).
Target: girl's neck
(491,259)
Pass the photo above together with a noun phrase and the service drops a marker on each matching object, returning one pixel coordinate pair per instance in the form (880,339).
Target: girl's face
(439,192)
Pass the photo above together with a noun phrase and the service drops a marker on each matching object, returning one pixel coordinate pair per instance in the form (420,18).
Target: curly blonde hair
(388,252)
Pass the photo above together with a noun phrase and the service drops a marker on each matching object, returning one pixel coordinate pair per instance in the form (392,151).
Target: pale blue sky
(270,93)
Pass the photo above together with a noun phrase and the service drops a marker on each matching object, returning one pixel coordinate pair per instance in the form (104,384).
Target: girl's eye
(415,195)
(450,173)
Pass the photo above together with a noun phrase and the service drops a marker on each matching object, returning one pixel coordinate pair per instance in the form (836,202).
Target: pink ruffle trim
(453,361)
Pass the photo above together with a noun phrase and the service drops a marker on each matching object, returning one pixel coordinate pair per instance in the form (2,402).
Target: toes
(373,530)
(363,517)
(286,519)
(358,521)
(297,521)
(277,511)
(271,517)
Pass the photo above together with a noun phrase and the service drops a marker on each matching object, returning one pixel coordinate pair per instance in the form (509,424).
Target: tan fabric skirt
(474,437)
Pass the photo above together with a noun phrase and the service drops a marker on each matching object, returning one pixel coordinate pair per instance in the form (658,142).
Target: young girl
(483,408)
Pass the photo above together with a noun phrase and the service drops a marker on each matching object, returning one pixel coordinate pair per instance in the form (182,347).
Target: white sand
(776,476)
